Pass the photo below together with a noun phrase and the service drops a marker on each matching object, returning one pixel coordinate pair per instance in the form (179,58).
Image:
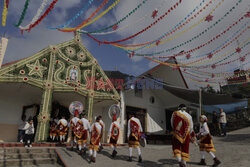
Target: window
(152,100)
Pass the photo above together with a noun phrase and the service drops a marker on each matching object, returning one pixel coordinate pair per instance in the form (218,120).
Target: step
(8,156)
(27,162)
(26,150)
(46,144)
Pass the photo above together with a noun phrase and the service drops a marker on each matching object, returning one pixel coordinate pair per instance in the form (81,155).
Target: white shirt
(85,123)
(189,117)
(223,118)
(29,129)
(21,124)
(74,120)
(137,121)
(63,121)
(98,126)
(111,126)
(204,130)
(101,122)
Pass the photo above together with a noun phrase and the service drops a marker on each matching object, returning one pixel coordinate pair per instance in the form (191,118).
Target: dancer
(62,129)
(134,135)
(76,128)
(102,132)
(86,128)
(95,138)
(53,131)
(206,143)
(182,125)
(113,135)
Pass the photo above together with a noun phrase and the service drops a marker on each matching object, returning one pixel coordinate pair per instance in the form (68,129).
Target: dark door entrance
(168,119)
(140,114)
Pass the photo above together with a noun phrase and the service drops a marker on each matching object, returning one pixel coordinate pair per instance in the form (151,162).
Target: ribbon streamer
(5,12)
(26,5)
(84,22)
(75,17)
(202,45)
(195,37)
(51,6)
(145,29)
(176,27)
(117,23)
(36,17)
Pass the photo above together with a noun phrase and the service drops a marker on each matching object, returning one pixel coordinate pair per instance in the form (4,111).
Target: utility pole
(200,101)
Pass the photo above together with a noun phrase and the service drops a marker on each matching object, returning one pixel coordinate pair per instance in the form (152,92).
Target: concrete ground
(233,150)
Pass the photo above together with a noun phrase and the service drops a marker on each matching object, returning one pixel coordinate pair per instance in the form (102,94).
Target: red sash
(181,126)
(135,129)
(115,132)
(95,136)
(78,129)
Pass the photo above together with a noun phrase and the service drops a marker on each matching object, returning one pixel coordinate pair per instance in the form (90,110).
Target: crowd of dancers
(181,122)
(80,130)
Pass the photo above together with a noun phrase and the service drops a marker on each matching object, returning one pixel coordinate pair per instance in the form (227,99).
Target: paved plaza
(233,150)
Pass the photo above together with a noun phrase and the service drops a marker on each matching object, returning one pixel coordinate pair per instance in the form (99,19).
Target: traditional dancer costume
(77,129)
(62,129)
(86,128)
(114,132)
(53,131)
(206,142)
(95,138)
(182,125)
(134,135)
(102,132)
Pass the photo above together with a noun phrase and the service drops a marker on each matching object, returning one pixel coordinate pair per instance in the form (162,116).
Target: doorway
(168,119)
(140,114)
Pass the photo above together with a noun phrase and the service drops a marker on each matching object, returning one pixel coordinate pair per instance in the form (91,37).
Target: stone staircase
(22,157)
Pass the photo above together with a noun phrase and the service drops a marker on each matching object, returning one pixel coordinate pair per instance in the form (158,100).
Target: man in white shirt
(29,132)
(134,136)
(113,135)
(223,122)
(86,129)
(21,131)
(182,125)
(95,137)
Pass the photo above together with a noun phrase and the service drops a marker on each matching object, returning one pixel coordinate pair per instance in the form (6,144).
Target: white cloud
(38,39)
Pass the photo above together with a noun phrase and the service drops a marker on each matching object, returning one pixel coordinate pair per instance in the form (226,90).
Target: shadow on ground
(237,138)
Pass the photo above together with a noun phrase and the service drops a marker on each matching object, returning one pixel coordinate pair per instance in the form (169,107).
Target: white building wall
(101,108)
(12,100)
(156,116)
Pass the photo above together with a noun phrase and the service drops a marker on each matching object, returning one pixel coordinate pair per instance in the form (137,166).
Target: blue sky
(111,58)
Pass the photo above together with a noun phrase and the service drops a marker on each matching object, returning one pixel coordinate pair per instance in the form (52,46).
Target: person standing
(216,125)
(29,132)
(182,125)
(102,133)
(62,129)
(86,128)
(76,128)
(95,137)
(223,122)
(134,135)
(21,131)
(113,135)
(206,142)
(53,131)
